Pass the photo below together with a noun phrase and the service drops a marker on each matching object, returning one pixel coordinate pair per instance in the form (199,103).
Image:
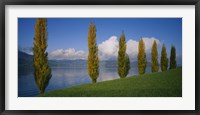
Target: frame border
(3,3)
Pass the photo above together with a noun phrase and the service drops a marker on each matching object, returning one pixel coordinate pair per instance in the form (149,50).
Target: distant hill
(26,60)
(68,63)
(113,64)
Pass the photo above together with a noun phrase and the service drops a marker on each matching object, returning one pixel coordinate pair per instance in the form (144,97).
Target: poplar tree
(127,65)
(164,59)
(154,58)
(93,60)
(42,71)
(141,57)
(123,58)
(173,58)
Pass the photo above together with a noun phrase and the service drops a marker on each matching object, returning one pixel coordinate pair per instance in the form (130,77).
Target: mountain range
(26,60)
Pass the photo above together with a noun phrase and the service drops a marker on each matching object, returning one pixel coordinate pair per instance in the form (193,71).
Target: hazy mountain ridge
(26,60)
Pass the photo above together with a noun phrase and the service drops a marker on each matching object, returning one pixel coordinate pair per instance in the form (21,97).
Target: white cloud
(108,49)
(70,53)
(132,49)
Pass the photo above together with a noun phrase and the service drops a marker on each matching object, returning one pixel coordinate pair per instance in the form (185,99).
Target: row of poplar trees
(163,59)
(42,71)
(123,58)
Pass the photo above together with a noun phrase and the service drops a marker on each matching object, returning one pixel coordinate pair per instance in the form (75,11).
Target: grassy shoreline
(161,84)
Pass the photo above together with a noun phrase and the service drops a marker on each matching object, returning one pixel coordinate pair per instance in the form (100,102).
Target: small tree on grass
(141,57)
(42,71)
(154,58)
(164,59)
(93,60)
(123,58)
(173,58)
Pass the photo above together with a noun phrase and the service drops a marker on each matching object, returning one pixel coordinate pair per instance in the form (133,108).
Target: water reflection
(65,77)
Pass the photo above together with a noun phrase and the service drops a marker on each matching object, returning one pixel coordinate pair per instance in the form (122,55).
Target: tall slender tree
(42,71)
(93,60)
(141,57)
(164,59)
(173,58)
(128,66)
(123,58)
(154,58)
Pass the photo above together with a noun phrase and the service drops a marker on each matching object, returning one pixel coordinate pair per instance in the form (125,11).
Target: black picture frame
(99,2)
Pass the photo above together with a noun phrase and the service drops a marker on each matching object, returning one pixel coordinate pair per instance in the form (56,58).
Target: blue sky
(71,33)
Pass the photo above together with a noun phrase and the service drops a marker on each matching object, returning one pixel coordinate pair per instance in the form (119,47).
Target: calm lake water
(64,78)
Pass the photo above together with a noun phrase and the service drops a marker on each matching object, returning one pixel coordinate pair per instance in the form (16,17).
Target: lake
(65,78)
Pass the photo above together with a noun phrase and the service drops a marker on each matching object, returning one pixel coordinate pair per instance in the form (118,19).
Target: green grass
(161,84)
